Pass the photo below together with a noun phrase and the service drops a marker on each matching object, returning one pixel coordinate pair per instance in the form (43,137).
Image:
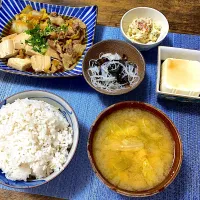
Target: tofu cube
(7,49)
(9,37)
(19,40)
(18,26)
(41,63)
(19,64)
(29,51)
(180,76)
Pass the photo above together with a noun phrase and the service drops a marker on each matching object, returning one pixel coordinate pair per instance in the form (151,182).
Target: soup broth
(133,149)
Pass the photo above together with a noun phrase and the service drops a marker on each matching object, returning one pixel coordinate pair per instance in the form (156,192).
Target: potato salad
(144,30)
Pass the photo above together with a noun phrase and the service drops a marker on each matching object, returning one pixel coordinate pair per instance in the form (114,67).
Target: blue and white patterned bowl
(70,116)
(87,14)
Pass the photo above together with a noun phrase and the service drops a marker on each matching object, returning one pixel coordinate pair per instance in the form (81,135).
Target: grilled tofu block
(7,49)
(9,37)
(52,53)
(19,40)
(19,26)
(19,64)
(41,63)
(29,51)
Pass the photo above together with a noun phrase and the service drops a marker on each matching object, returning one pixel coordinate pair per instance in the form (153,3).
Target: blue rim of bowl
(138,43)
(76,145)
(91,21)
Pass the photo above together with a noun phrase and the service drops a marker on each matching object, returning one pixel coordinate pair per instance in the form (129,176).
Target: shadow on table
(74,178)
(99,32)
(150,57)
(139,94)
(184,107)
(71,83)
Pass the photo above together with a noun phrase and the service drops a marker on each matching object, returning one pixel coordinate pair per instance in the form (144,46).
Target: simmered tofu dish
(133,149)
(42,42)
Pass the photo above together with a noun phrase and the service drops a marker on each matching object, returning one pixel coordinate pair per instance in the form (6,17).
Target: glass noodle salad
(112,72)
(144,30)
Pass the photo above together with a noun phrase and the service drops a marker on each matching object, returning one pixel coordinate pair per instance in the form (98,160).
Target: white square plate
(178,53)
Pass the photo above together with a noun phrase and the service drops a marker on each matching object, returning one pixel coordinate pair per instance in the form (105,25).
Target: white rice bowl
(35,139)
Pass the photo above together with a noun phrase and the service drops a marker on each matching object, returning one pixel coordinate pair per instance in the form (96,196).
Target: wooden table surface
(183,17)
(10,195)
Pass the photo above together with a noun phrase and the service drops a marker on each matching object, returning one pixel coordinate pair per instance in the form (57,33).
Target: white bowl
(144,12)
(70,116)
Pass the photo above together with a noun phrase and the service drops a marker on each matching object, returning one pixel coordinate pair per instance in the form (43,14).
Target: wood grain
(11,195)
(183,15)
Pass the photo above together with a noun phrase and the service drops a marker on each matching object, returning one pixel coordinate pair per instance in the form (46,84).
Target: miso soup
(133,149)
